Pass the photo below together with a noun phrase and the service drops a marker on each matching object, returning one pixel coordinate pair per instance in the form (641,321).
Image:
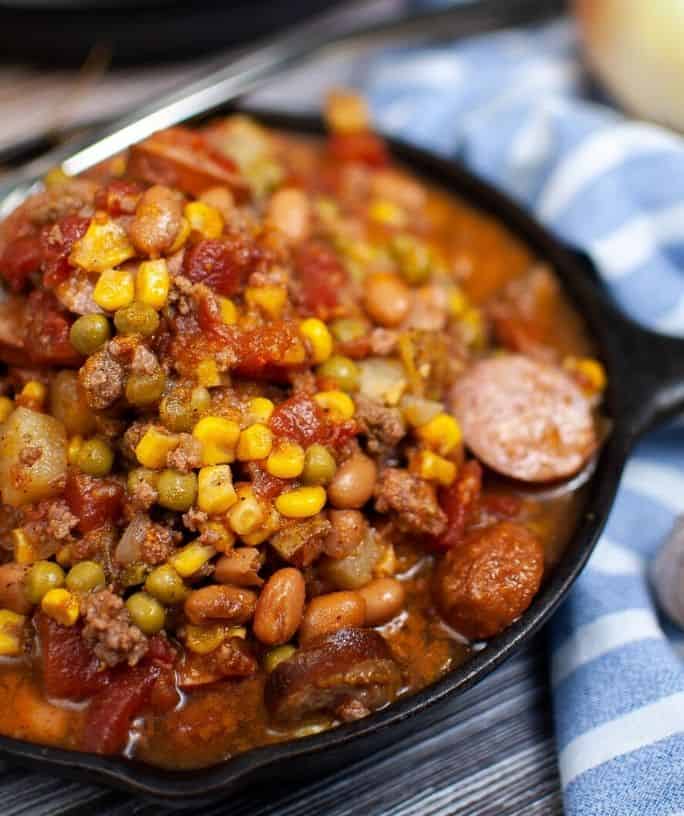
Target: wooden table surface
(492,754)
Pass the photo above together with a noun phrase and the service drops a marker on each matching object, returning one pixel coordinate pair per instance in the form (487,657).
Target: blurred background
(66,63)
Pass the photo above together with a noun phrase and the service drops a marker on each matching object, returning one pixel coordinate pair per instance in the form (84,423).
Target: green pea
(139,475)
(41,578)
(319,465)
(84,576)
(134,575)
(177,490)
(175,411)
(138,318)
(166,585)
(413,258)
(145,389)
(95,457)
(89,333)
(343,371)
(346,329)
(146,612)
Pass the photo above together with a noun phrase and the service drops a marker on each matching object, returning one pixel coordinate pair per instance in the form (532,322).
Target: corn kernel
(295,353)
(191,558)
(6,408)
(338,405)
(204,218)
(181,237)
(219,536)
(32,395)
(73,448)
(63,556)
(302,502)
(434,468)
(61,605)
(215,491)
(11,626)
(208,374)
(346,112)
(274,657)
(286,461)
(588,372)
(474,327)
(320,339)
(387,212)
(25,551)
(114,289)
(247,514)
(269,525)
(204,639)
(154,447)
(442,434)
(104,246)
(219,438)
(236,632)
(152,283)
(260,409)
(228,309)
(55,177)
(268,299)
(457,302)
(255,443)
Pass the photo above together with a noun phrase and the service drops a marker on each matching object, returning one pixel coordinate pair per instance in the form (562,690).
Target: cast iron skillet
(645,387)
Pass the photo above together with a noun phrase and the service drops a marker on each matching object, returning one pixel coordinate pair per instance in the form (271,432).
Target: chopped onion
(382,379)
(418,411)
(129,548)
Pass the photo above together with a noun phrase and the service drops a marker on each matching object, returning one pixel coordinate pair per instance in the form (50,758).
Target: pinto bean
(328,613)
(353,484)
(348,530)
(157,220)
(226,603)
(290,212)
(280,607)
(384,599)
(387,299)
(12,594)
(239,567)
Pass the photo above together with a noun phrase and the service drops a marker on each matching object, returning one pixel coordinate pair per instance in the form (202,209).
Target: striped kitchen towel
(512,107)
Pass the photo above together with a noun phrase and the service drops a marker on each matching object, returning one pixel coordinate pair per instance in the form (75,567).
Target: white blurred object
(636,48)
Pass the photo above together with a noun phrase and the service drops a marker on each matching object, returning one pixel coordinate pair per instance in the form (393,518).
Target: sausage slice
(348,673)
(524,418)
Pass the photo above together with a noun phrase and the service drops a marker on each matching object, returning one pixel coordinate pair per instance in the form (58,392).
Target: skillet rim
(579,281)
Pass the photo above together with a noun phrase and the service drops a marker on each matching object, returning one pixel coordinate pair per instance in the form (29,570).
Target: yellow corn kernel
(268,526)
(295,353)
(6,408)
(474,327)
(33,394)
(228,309)
(152,283)
(245,516)
(260,409)
(268,299)
(182,237)
(73,448)
(346,112)
(387,212)
(63,556)
(204,639)
(590,373)
(104,246)
(338,405)
(286,461)
(55,177)
(114,289)
(222,539)
(274,657)
(442,434)
(204,218)
(191,558)
(320,339)
(301,502)
(457,302)
(154,447)
(208,374)
(236,631)
(11,626)
(215,491)
(255,443)
(24,548)
(219,438)
(61,605)
(434,468)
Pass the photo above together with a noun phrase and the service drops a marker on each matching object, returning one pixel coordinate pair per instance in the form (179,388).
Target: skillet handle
(647,373)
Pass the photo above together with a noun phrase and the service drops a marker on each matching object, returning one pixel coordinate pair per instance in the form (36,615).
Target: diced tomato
(459,502)
(119,197)
(47,331)
(300,419)
(161,651)
(111,711)
(57,241)
(221,263)
(70,669)
(322,277)
(21,258)
(263,350)
(363,147)
(95,502)
(265,486)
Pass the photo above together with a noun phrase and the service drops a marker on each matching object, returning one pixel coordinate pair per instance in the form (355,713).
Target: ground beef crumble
(413,500)
(383,426)
(187,455)
(109,631)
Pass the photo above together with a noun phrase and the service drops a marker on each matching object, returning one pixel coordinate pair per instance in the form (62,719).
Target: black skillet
(645,387)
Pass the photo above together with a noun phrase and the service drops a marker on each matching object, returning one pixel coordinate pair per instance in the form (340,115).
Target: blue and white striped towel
(511,106)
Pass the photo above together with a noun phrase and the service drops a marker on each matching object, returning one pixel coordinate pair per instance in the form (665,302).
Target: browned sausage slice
(348,673)
(524,418)
(488,580)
